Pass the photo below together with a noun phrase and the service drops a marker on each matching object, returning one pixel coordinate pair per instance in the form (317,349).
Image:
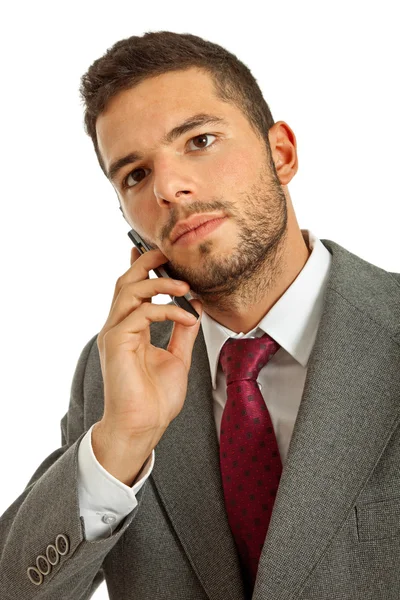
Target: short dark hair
(134,59)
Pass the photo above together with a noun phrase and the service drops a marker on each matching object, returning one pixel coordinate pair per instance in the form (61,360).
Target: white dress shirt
(293,322)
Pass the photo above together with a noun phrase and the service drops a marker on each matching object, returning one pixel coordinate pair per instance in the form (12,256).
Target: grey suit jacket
(335,528)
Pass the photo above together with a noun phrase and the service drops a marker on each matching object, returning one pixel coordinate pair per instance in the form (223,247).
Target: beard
(244,275)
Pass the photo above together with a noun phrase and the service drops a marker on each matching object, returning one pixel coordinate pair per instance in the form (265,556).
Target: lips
(192,223)
(200,233)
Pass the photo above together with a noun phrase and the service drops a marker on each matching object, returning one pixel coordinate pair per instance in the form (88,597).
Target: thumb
(183,337)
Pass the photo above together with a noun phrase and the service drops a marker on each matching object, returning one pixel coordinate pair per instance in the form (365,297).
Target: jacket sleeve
(44,553)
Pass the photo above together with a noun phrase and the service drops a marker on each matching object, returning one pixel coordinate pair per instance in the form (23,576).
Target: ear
(284,151)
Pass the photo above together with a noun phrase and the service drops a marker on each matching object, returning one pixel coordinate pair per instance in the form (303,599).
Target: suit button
(108,518)
(43,564)
(62,544)
(52,555)
(35,576)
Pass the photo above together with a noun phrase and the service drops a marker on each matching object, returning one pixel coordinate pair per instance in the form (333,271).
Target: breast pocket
(378,520)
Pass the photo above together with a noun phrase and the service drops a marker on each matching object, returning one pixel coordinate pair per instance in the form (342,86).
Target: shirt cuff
(104,500)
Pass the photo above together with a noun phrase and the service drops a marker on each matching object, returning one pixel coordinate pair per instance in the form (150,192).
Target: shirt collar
(293,320)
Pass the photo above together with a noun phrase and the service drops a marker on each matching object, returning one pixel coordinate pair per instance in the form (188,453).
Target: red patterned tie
(251,465)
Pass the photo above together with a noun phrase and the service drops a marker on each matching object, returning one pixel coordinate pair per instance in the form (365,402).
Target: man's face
(220,168)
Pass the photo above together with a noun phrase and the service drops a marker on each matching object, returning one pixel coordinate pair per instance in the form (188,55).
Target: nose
(173,183)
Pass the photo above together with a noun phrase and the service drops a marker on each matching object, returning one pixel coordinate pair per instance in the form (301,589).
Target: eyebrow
(187,125)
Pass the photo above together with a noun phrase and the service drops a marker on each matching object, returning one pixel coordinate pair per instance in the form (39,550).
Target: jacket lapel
(187,476)
(348,412)
(352,382)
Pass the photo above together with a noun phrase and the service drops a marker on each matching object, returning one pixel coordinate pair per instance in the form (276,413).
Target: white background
(330,70)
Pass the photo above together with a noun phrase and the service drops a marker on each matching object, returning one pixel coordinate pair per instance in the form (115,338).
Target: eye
(136,173)
(201,137)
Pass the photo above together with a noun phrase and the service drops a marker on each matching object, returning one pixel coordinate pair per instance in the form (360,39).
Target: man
(253,452)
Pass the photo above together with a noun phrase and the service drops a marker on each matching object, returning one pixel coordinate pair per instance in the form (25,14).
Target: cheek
(231,171)
(144,219)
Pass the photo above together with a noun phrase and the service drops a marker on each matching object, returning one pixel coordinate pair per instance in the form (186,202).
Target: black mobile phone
(181,301)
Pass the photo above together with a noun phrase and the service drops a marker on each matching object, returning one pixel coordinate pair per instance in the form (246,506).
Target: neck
(255,298)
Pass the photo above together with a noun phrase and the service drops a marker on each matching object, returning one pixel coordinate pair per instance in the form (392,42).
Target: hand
(144,386)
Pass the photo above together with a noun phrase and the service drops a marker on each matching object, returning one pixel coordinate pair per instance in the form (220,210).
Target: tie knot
(244,358)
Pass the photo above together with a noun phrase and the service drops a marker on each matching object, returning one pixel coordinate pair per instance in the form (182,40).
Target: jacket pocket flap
(378,520)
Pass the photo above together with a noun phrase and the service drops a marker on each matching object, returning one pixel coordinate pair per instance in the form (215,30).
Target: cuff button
(108,518)
(35,576)
(52,555)
(43,564)
(62,544)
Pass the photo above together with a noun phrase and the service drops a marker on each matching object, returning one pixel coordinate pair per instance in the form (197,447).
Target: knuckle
(177,311)
(104,337)
(162,284)
(107,337)
(120,282)
(167,284)
(124,286)
(143,309)
(101,335)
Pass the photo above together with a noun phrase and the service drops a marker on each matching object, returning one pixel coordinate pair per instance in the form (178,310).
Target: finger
(183,337)
(147,258)
(132,295)
(140,269)
(134,254)
(139,321)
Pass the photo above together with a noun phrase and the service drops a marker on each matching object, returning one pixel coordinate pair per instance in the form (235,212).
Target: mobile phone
(181,301)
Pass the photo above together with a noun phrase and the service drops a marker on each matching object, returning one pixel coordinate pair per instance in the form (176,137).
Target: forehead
(139,117)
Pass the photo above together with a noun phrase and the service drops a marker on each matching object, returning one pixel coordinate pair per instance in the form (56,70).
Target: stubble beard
(244,276)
